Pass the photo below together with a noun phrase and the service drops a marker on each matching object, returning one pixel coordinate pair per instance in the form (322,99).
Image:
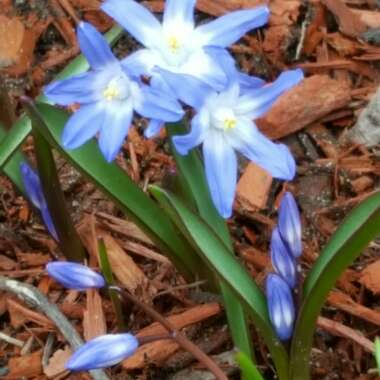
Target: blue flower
(33,188)
(289,224)
(282,261)
(103,351)
(224,124)
(176,44)
(74,275)
(108,95)
(280,305)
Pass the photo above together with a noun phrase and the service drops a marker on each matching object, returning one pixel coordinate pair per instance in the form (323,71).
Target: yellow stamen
(174,44)
(111,92)
(229,123)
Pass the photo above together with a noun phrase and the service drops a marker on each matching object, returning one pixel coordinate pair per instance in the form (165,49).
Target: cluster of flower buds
(185,63)
(286,247)
(102,351)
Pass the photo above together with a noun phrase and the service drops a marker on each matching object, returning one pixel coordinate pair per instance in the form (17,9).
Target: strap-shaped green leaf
(114,182)
(248,369)
(193,180)
(12,167)
(219,258)
(354,234)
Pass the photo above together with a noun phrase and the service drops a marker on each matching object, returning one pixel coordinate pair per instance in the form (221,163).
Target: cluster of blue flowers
(33,188)
(186,63)
(286,248)
(102,351)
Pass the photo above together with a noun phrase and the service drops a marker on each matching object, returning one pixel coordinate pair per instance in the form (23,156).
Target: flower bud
(33,189)
(280,305)
(74,275)
(103,351)
(282,261)
(289,224)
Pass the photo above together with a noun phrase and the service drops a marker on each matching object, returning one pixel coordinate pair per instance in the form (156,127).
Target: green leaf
(116,184)
(377,353)
(193,180)
(219,258)
(355,233)
(113,294)
(248,369)
(12,167)
(69,241)
(22,128)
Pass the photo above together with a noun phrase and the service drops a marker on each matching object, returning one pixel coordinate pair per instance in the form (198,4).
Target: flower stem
(176,335)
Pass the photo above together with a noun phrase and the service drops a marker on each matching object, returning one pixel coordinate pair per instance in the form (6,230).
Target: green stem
(69,240)
(113,294)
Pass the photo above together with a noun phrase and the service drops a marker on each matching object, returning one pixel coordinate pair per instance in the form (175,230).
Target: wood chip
(370,277)
(339,329)
(125,269)
(94,321)
(12,34)
(311,100)
(346,303)
(253,187)
(349,22)
(25,366)
(159,351)
(56,365)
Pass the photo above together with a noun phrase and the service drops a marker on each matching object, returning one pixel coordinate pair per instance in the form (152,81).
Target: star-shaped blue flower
(108,95)
(223,124)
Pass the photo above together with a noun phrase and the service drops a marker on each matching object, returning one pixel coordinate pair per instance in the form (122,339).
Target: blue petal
(187,88)
(281,306)
(227,29)
(282,260)
(179,11)
(94,46)
(248,82)
(275,158)
(139,63)
(153,128)
(289,224)
(82,125)
(74,276)
(32,184)
(116,124)
(77,89)
(136,19)
(199,126)
(103,351)
(46,217)
(256,102)
(202,66)
(225,61)
(158,105)
(221,171)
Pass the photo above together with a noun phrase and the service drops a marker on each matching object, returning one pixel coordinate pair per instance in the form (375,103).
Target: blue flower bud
(74,275)
(282,261)
(280,305)
(103,351)
(289,224)
(33,188)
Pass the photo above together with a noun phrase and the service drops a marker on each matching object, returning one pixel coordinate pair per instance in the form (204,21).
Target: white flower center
(118,88)
(223,119)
